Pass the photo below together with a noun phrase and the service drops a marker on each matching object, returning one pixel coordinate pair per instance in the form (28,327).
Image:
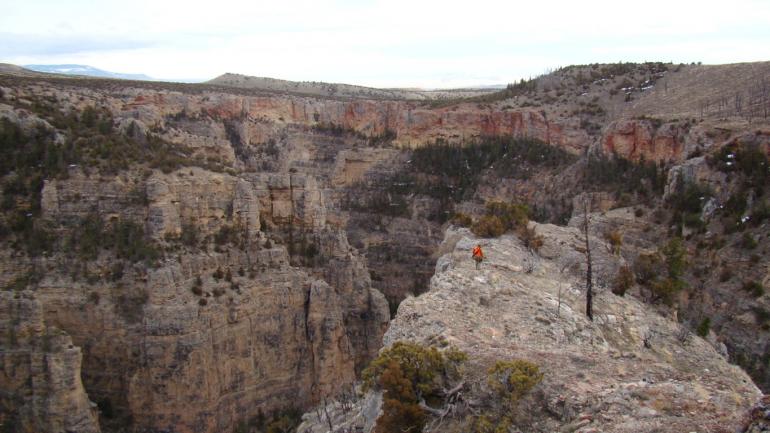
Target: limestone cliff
(267,334)
(40,378)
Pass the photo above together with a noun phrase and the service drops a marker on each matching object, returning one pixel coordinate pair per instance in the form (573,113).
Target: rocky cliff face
(629,370)
(412,123)
(267,334)
(639,139)
(252,302)
(40,378)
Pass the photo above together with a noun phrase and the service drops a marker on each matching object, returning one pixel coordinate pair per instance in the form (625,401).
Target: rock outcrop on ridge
(630,370)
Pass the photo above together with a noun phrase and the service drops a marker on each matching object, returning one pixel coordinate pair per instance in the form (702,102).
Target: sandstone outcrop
(643,139)
(40,377)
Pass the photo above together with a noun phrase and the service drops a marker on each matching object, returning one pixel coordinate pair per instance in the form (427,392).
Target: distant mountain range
(86,70)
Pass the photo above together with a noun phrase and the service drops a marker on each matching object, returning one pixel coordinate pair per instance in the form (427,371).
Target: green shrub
(623,281)
(747,160)
(225,235)
(725,275)
(87,237)
(736,204)
(189,235)
(501,217)
(400,409)
(462,220)
(511,380)
(647,267)
(130,242)
(687,202)
(693,220)
(530,238)
(38,239)
(511,215)
(285,421)
(489,424)
(754,288)
(675,257)
(488,226)
(615,239)
(130,305)
(760,213)
(762,316)
(407,372)
(197,286)
(450,173)
(666,289)
(117,271)
(218,274)
(624,176)
(704,327)
(748,242)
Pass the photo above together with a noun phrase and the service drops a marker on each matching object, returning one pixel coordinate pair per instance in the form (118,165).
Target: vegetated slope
(337,89)
(738,90)
(7,68)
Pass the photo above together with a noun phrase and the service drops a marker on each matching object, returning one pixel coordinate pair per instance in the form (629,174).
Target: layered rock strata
(40,377)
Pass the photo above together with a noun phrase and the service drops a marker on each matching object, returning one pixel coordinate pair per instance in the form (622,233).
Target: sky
(392,43)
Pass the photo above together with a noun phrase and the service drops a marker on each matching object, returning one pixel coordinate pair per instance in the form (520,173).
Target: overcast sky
(389,43)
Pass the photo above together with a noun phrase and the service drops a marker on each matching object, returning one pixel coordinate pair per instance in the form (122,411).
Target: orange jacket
(477,252)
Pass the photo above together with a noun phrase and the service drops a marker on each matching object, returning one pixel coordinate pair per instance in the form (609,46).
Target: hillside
(9,69)
(85,70)
(339,90)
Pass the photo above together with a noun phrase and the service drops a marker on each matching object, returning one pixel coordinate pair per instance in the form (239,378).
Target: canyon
(192,257)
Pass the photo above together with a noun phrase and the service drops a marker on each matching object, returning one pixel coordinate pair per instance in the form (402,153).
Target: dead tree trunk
(589,277)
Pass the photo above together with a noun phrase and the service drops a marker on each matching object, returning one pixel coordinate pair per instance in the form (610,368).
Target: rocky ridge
(629,370)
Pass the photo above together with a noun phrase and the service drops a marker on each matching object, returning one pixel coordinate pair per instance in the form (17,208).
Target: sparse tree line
(751,103)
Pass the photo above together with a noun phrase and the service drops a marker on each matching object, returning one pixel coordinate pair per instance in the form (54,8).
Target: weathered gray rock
(629,370)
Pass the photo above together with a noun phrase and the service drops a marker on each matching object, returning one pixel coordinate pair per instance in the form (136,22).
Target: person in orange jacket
(478,255)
